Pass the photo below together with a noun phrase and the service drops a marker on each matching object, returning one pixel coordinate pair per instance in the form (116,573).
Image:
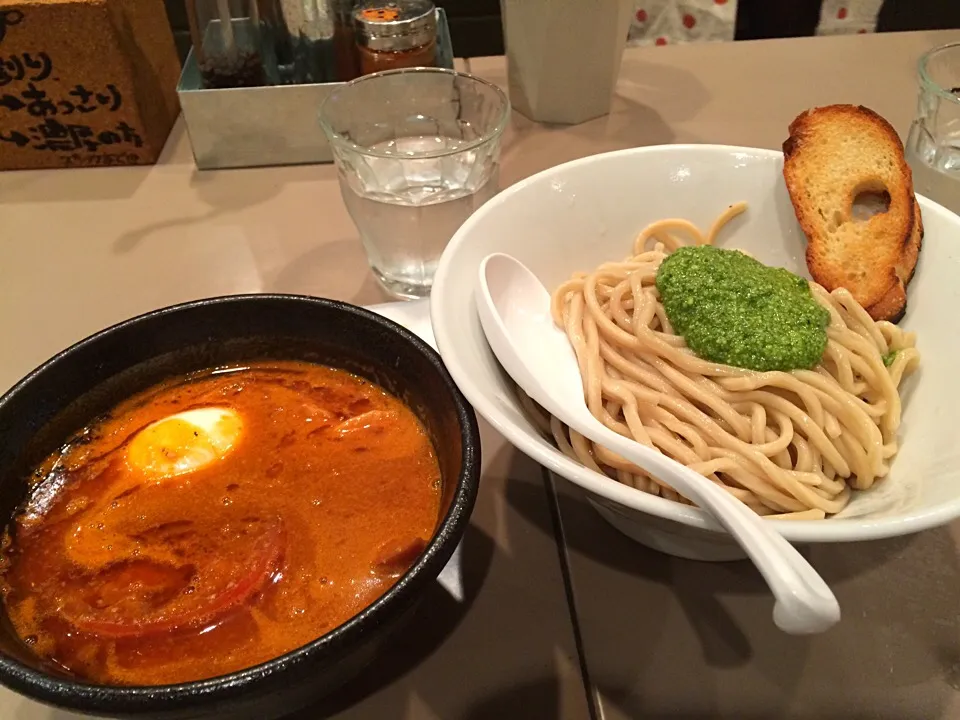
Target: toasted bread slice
(893,305)
(833,155)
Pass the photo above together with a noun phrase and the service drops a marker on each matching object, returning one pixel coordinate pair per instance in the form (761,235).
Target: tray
(271,125)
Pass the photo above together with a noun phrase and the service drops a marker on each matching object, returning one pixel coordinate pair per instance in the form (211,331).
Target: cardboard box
(85,83)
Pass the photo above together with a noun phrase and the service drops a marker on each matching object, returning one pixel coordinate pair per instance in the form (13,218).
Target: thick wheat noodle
(788,444)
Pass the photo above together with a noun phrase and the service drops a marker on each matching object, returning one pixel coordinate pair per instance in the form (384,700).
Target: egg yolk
(185,442)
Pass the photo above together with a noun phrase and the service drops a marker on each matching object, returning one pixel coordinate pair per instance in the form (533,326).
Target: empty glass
(933,146)
(417,151)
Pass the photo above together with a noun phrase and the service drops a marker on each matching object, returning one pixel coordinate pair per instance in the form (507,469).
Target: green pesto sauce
(731,309)
(889,358)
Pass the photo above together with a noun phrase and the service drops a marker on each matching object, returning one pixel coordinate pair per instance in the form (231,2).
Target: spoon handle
(804,602)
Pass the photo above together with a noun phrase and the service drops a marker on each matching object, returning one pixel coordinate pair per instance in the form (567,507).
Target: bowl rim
(136,699)
(609,490)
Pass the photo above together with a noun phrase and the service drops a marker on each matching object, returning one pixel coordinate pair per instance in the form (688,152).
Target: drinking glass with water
(417,151)
(933,146)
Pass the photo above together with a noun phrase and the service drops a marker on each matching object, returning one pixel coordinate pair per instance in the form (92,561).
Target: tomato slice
(395,558)
(252,580)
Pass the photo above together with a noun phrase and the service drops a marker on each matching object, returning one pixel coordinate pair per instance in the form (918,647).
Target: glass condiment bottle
(344,42)
(314,40)
(229,43)
(392,35)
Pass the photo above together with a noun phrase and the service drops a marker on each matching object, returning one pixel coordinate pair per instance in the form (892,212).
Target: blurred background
(476,31)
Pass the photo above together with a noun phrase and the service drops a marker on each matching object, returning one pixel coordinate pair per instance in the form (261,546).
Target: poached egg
(185,442)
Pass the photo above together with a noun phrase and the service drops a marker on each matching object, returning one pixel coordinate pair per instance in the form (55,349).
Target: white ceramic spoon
(514,310)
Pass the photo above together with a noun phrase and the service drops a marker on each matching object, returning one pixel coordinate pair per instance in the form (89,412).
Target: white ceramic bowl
(577,215)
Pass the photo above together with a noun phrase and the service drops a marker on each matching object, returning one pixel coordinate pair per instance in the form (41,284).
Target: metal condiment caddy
(266,125)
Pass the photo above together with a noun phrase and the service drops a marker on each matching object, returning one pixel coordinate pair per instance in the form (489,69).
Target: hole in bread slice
(869,202)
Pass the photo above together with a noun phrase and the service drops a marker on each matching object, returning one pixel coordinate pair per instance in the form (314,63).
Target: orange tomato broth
(327,497)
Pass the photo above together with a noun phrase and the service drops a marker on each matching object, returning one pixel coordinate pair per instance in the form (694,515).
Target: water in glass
(417,152)
(407,208)
(935,165)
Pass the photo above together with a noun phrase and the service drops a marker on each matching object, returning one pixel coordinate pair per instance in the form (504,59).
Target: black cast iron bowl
(87,379)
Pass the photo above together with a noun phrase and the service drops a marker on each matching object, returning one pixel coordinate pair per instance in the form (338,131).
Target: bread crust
(832,155)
